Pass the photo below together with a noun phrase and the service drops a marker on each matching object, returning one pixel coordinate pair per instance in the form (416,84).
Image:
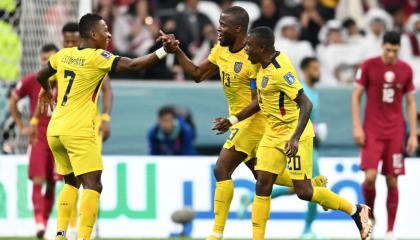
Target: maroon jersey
(29,87)
(385,86)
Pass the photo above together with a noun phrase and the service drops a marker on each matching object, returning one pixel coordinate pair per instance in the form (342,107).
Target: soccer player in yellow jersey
(71,132)
(229,57)
(288,140)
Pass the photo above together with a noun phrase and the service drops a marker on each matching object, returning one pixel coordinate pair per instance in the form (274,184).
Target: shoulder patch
(290,79)
(106,54)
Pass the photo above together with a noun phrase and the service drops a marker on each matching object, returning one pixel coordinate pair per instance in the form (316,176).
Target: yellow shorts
(75,154)
(245,138)
(271,157)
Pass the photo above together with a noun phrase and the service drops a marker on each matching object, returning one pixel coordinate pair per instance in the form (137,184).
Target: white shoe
(389,236)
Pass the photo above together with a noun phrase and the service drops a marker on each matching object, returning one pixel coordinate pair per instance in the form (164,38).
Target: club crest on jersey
(389,76)
(106,54)
(264,82)
(237,67)
(290,79)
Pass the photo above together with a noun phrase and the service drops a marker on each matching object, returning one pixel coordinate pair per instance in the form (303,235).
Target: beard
(314,79)
(227,41)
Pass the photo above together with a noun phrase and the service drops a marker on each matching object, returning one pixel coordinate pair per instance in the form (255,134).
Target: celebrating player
(41,161)
(311,74)
(71,132)
(288,138)
(230,59)
(385,79)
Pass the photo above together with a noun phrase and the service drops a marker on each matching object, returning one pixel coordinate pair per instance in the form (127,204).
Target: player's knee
(370,181)
(220,173)
(391,181)
(38,180)
(304,193)
(263,186)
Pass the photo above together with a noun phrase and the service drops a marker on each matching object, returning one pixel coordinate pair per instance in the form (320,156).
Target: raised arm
(199,73)
(305,106)
(356,98)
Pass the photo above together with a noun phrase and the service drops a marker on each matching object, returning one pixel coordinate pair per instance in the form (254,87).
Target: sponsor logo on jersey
(264,82)
(290,79)
(237,67)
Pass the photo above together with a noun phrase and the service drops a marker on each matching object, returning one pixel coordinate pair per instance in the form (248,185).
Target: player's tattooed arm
(221,125)
(305,106)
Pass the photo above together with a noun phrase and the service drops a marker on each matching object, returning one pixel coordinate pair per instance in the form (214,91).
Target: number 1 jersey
(80,74)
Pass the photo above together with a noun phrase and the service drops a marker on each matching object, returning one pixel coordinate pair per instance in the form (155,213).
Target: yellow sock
(222,198)
(89,207)
(66,201)
(330,200)
(284,179)
(260,215)
(73,215)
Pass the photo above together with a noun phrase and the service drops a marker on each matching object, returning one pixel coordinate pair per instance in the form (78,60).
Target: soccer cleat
(390,236)
(363,223)
(243,206)
(320,181)
(40,230)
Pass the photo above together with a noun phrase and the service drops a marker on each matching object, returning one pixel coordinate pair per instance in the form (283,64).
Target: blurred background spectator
(287,33)
(269,15)
(172,135)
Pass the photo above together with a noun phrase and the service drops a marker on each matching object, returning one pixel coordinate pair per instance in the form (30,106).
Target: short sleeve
(214,54)
(409,85)
(290,84)
(23,87)
(52,62)
(106,61)
(361,75)
(252,75)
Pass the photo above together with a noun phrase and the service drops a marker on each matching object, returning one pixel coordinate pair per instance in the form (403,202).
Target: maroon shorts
(41,161)
(390,151)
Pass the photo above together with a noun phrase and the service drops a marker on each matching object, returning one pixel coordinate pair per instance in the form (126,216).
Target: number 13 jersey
(80,74)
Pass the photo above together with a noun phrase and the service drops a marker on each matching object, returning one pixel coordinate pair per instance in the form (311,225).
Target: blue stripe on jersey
(253,83)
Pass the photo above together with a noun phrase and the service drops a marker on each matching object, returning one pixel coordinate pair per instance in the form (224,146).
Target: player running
(41,161)
(288,139)
(71,132)
(311,75)
(228,57)
(385,79)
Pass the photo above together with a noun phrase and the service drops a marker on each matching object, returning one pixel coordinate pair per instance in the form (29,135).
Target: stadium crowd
(340,33)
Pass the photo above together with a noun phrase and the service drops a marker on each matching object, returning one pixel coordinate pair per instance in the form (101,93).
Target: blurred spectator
(311,21)
(413,31)
(398,17)
(172,135)
(269,16)
(287,39)
(413,35)
(377,22)
(352,31)
(188,25)
(352,9)
(338,59)
(107,11)
(408,6)
(131,31)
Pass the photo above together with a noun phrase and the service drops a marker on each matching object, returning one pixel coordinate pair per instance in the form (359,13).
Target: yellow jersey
(236,72)
(278,86)
(80,74)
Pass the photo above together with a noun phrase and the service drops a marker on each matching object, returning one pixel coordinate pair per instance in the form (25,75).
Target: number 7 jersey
(80,74)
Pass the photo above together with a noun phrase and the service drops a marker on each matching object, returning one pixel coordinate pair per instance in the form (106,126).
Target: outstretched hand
(170,43)
(221,125)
